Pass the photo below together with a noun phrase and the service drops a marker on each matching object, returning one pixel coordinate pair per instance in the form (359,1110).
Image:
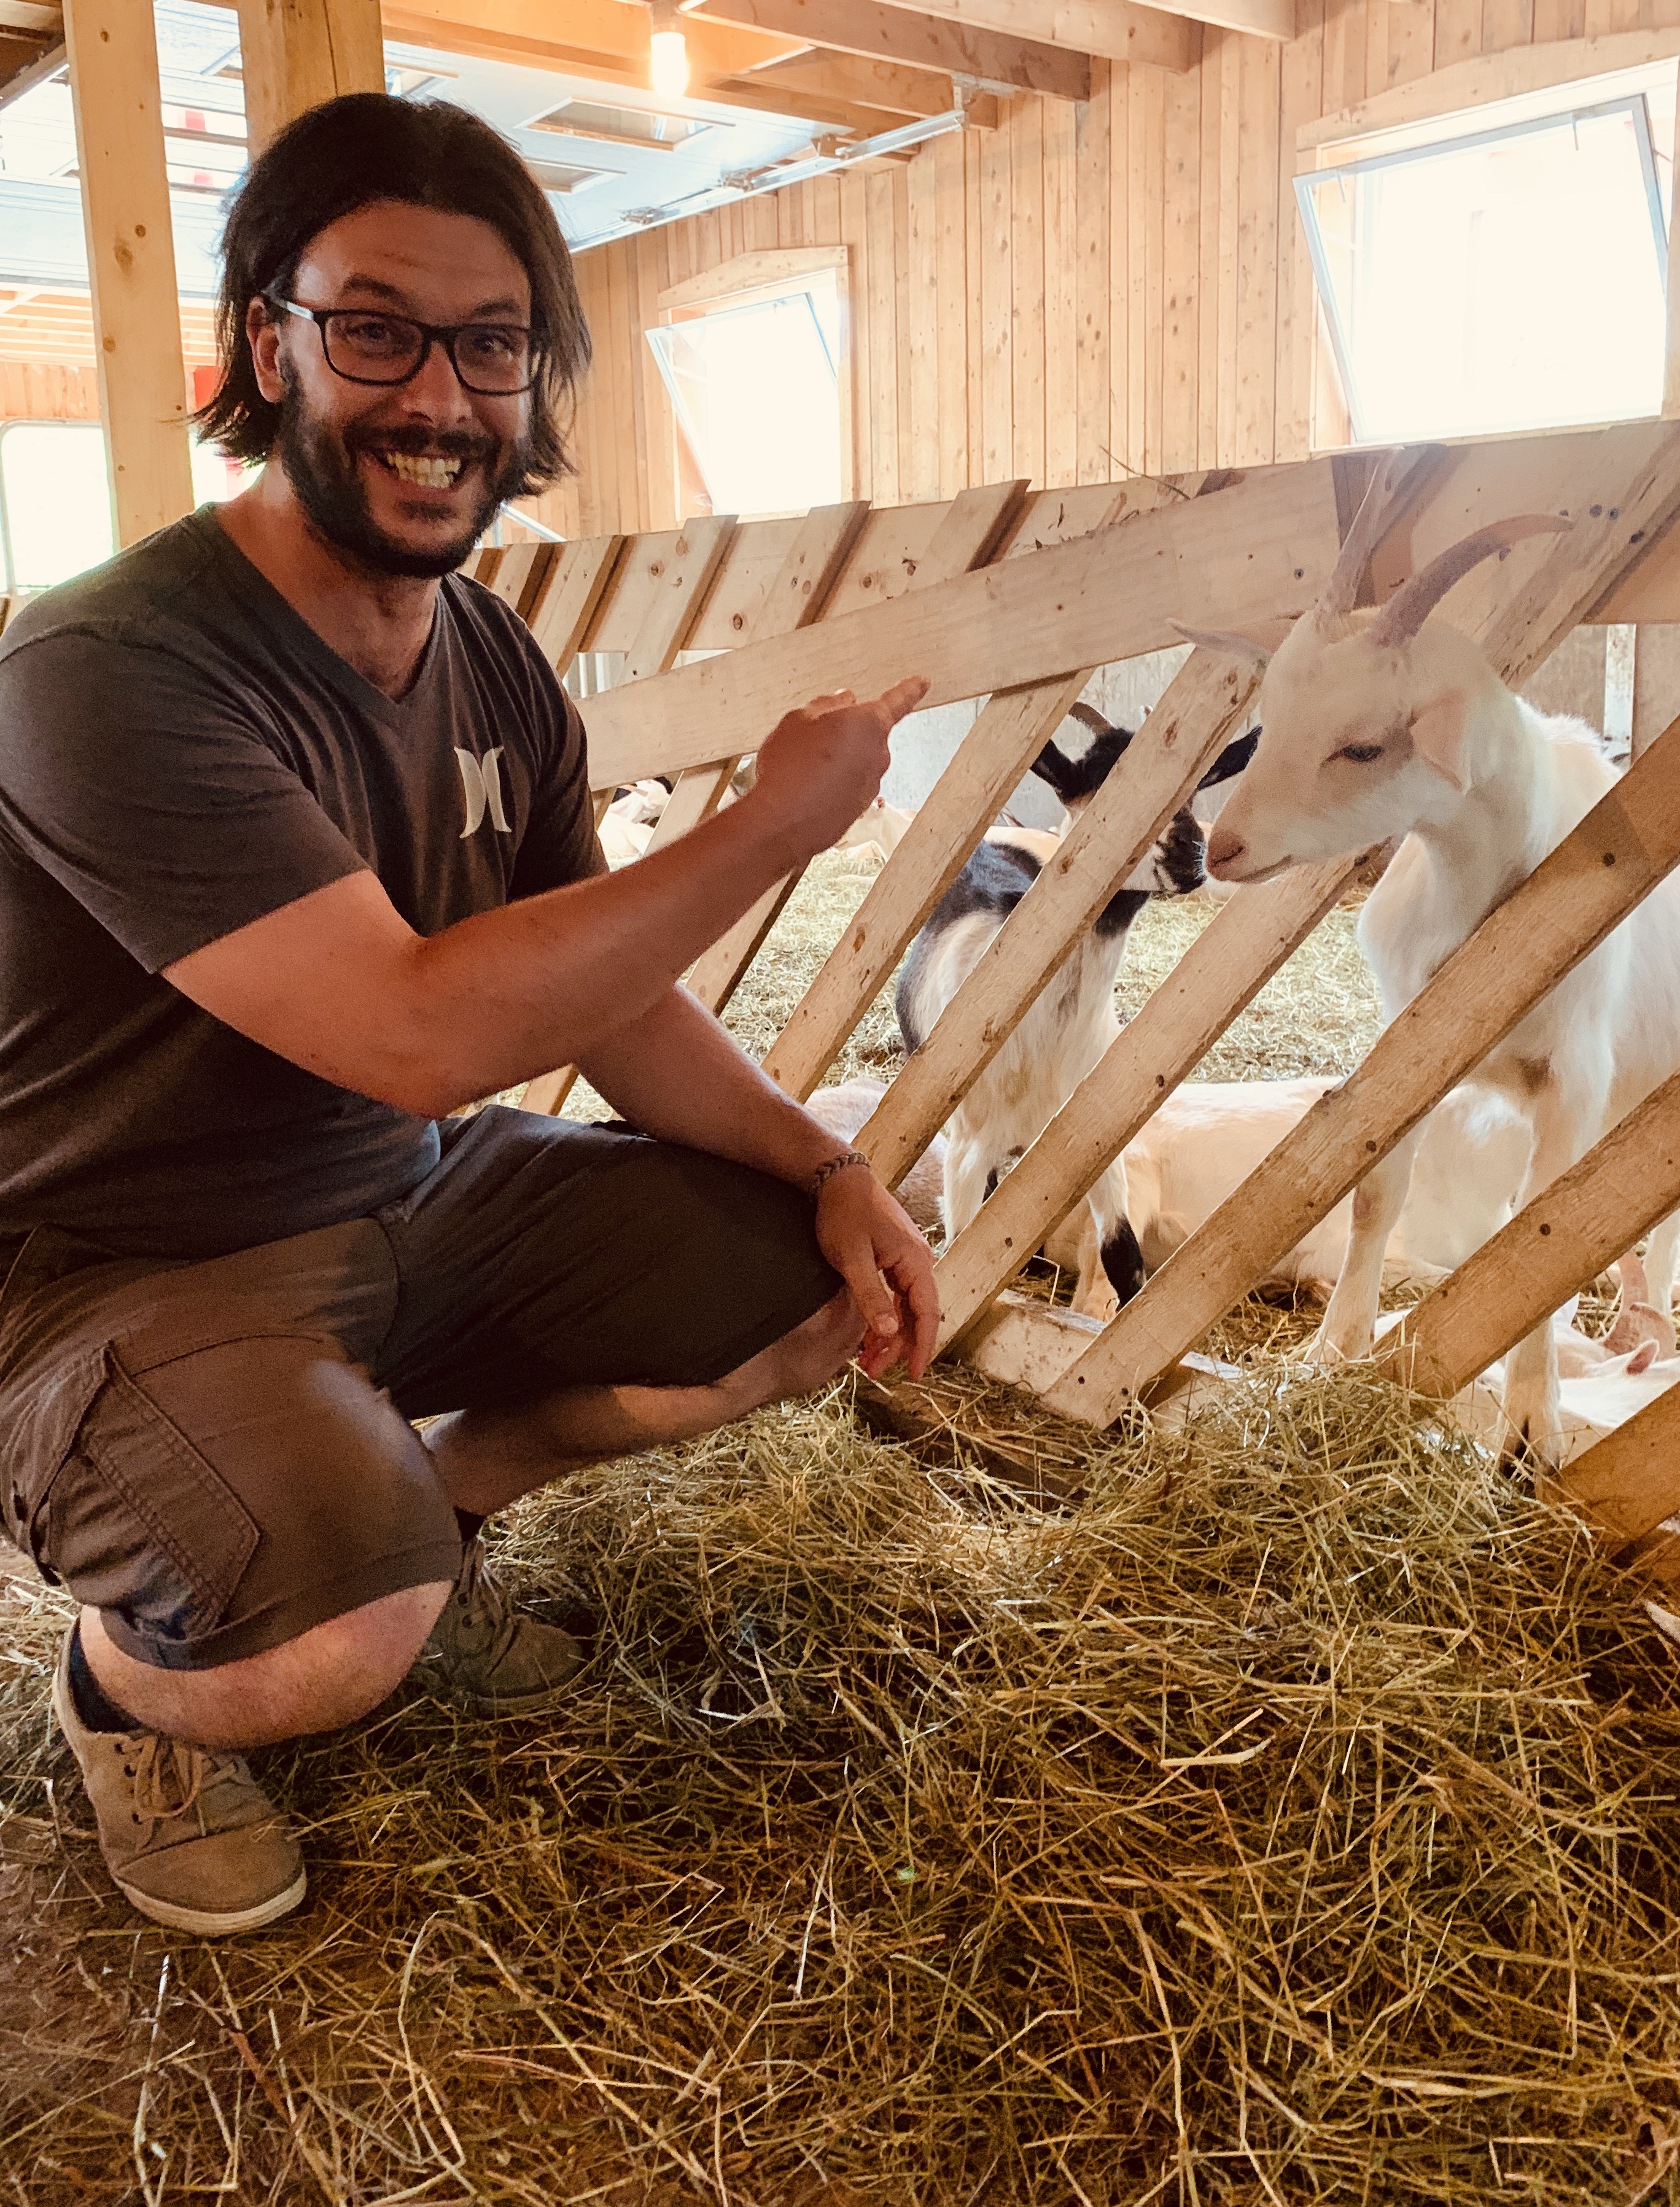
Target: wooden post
(297,53)
(113,56)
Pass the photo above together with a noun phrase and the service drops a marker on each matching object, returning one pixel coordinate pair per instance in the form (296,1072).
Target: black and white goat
(1073,1022)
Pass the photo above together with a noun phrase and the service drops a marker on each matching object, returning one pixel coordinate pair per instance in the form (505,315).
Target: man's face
(403,477)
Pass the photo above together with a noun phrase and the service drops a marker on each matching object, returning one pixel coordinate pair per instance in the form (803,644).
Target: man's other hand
(887,1266)
(823,764)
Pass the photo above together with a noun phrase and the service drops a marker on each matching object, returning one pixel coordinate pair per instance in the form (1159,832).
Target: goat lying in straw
(1396,726)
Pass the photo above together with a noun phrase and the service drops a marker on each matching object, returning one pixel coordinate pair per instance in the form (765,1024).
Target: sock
(471,1525)
(93,1706)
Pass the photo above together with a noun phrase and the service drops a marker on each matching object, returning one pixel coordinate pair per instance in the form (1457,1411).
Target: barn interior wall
(44,391)
(1081,291)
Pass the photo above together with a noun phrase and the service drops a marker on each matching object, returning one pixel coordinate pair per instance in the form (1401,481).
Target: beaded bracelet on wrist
(825,1172)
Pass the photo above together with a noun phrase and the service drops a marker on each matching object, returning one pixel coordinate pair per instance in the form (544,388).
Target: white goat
(1399,727)
(1071,1024)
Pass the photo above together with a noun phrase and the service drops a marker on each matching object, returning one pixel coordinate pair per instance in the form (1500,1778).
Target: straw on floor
(1291,1816)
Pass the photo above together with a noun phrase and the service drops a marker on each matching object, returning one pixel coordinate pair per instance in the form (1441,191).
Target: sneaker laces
(171,1776)
(484,1612)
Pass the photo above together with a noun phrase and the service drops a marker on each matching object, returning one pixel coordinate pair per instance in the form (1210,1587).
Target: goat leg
(1349,1323)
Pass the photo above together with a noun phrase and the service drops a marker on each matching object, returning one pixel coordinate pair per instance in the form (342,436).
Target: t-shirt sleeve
(152,797)
(559,843)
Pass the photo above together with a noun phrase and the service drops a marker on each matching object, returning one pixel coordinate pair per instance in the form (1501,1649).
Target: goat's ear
(1229,643)
(1437,735)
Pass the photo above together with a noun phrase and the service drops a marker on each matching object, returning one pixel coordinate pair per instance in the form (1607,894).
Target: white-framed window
(1502,269)
(55,500)
(757,384)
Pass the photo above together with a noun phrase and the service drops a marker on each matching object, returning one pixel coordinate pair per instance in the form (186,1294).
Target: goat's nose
(1224,848)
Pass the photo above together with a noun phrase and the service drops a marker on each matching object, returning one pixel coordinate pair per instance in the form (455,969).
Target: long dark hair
(349,153)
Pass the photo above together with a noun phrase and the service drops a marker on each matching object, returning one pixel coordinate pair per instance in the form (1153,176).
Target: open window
(1501,269)
(754,359)
(55,500)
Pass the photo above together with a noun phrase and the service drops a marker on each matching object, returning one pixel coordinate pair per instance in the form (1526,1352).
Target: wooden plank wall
(1119,285)
(42,391)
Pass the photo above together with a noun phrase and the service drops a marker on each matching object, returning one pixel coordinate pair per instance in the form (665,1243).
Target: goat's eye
(1360,754)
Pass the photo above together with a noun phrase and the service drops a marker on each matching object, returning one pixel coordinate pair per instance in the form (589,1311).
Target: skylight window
(1507,275)
(619,126)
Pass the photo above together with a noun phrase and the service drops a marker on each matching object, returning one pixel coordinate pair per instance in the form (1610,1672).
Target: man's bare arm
(338,983)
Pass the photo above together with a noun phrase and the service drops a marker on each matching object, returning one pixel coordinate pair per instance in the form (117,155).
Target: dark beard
(322,471)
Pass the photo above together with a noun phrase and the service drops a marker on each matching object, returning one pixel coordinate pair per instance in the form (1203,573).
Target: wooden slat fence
(1018,598)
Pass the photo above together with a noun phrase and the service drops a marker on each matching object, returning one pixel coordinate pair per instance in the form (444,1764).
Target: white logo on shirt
(482,785)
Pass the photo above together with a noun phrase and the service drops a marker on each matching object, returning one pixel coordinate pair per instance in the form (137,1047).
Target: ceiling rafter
(868,28)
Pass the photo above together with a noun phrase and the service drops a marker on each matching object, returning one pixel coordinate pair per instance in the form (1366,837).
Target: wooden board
(1263,546)
(1629,1483)
(1176,744)
(1556,1245)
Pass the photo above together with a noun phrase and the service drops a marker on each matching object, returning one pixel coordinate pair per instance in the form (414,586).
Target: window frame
(754,279)
(1311,180)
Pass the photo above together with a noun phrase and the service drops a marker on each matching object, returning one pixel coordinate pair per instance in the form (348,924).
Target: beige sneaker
(187,1834)
(490,1657)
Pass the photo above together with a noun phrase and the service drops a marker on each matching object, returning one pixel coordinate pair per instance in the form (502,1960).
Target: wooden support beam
(1199,712)
(861,82)
(113,54)
(989,764)
(1218,977)
(1586,886)
(1112,30)
(577,582)
(974,524)
(1629,1483)
(681,586)
(927,41)
(601,40)
(1566,1236)
(295,53)
(1264,546)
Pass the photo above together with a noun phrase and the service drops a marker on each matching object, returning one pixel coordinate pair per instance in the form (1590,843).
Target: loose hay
(1293,1818)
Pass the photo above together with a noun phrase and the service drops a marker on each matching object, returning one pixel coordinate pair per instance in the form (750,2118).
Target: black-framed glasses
(363,344)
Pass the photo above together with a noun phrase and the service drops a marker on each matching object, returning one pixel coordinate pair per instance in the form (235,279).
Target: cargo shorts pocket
(137,1521)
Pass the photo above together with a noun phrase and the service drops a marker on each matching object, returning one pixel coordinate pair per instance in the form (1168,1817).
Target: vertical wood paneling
(1061,297)
(951,312)
(921,327)
(1082,291)
(997,424)
(1027,289)
(1090,130)
(1180,351)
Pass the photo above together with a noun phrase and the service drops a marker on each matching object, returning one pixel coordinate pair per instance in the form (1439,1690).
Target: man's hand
(822,765)
(885,1263)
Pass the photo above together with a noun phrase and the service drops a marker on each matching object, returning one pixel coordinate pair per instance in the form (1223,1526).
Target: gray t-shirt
(180,754)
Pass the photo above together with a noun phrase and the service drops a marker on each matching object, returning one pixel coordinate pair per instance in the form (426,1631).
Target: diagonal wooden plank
(989,764)
(1201,707)
(1263,546)
(807,575)
(974,525)
(1629,1483)
(572,596)
(1625,845)
(520,574)
(1219,975)
(682,582)
(1571,1230)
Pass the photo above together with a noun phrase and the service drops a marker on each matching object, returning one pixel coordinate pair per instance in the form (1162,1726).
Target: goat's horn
(1376,510)
(1411,604)
(1089,717)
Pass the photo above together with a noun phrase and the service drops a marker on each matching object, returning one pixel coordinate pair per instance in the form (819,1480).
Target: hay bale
(1292,1818)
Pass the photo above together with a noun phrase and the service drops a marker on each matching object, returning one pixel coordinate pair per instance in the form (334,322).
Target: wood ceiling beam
(764,96)
(33,16)
(885,34)
(1112,30)
(907,91)
(602,39)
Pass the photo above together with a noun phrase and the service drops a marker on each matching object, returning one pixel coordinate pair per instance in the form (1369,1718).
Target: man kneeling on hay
(296,857)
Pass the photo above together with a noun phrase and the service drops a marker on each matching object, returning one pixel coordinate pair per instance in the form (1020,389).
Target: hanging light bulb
(668,54)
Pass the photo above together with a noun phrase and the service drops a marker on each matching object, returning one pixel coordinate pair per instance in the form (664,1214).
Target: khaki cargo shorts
(217,1455)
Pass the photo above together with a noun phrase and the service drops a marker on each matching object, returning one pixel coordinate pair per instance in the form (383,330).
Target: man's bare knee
(329,1675)
(813,1353)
